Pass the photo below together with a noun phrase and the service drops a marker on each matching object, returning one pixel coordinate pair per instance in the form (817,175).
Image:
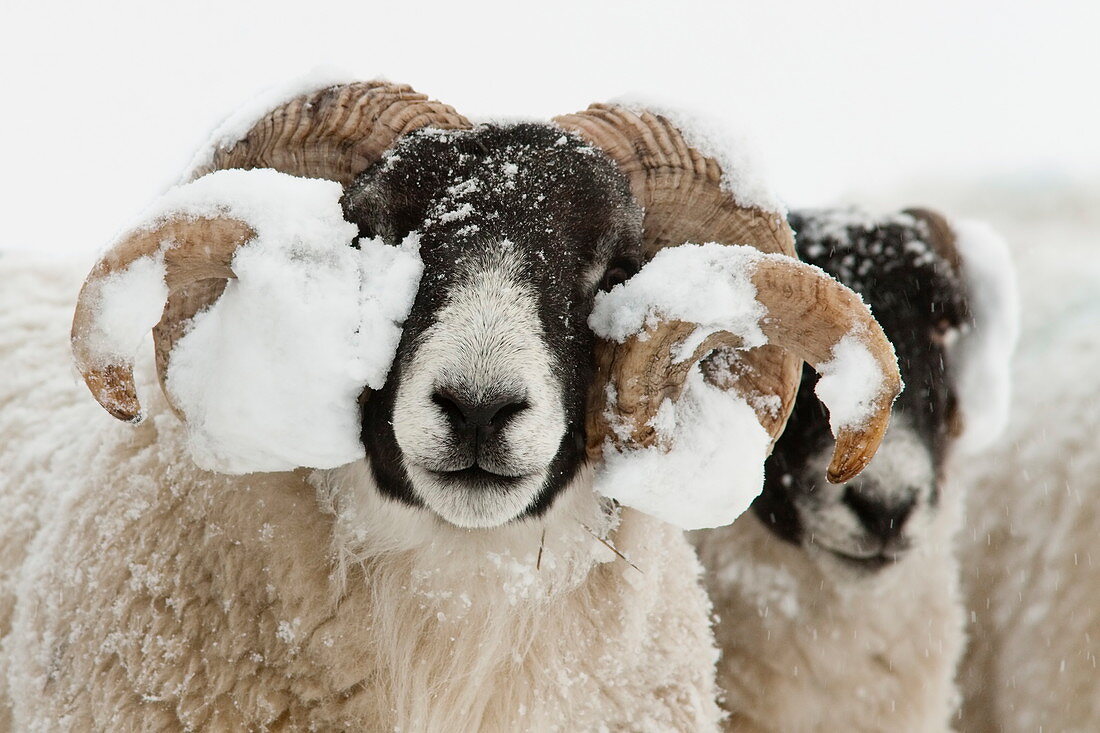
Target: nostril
(882,517)
(454,407)
(498,413)
(467,414)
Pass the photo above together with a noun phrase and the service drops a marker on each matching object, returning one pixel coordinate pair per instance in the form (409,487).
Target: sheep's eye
(944,333)
(618,271)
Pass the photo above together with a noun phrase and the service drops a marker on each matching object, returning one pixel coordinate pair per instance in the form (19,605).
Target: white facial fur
(902,471)
(486,340)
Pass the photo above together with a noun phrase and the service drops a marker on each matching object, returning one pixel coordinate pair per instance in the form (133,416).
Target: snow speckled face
(481,419)
(873,521)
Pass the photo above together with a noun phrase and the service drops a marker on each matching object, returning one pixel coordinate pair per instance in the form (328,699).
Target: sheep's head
(483,416)
(908,270)
(498,393)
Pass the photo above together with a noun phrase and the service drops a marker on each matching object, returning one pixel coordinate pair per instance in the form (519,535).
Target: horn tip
(845,468)
(114,389)
(854,450)
(127,410)
(127,415)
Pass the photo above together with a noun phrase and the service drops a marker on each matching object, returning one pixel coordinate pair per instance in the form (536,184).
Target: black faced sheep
(838,603)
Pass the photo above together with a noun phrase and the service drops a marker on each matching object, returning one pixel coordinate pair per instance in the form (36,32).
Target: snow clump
(268,377)
(851,383)
(711,473)
(710,465)
(982,366)
(709,285)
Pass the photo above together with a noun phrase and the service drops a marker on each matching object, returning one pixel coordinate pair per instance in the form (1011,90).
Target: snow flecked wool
(806,650)
(138,592)
(1031,567)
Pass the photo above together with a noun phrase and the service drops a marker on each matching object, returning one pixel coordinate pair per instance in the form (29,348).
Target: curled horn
(202,250)
(941,236)
(333,133)
(808,313)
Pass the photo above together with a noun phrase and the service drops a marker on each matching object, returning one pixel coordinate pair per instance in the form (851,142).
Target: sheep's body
(138,592)
(1031,568)
(804,652)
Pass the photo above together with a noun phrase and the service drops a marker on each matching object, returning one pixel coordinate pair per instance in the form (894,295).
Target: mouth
(474,497)
(870,562)
(477,477)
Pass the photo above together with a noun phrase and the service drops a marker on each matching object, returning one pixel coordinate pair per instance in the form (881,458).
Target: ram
(463,574)
(839,604)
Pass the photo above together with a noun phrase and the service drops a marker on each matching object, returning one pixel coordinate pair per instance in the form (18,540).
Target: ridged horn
(334,133)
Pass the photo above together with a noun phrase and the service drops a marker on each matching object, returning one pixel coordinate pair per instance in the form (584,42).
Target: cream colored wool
(808,650)
(138,592)
(1031,560)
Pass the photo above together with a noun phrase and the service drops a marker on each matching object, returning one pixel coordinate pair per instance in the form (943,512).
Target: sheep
(1031,571)
(839,604)
(220,606)
(462,574)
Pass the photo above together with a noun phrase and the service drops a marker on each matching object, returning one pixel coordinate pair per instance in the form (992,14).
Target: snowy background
(954,104)
(983,110)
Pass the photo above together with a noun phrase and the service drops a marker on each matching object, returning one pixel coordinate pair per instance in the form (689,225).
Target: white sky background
(104,103)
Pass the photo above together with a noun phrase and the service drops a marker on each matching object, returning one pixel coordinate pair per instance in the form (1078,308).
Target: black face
(519,226)
(918,299)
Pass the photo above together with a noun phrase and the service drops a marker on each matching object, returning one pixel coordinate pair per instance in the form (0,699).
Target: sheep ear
(982,355)
(368,204)
(392,198)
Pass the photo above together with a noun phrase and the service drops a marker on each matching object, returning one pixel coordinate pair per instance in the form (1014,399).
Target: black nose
(482,418)
(880,516)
